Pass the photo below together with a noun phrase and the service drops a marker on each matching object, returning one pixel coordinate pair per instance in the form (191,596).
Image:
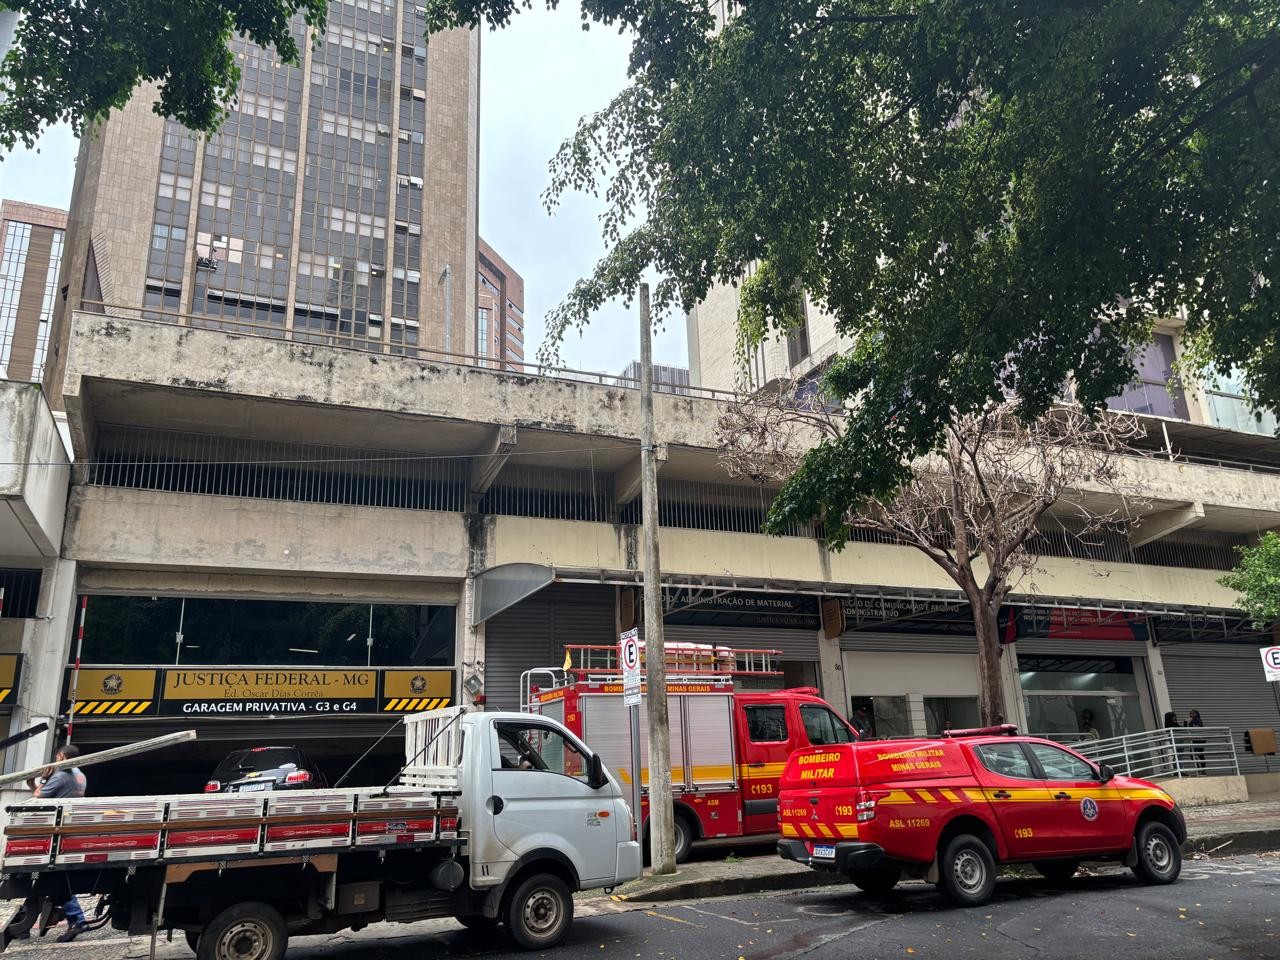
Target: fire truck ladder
(686,663)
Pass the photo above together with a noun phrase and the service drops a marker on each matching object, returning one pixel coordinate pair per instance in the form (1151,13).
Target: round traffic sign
(630,653)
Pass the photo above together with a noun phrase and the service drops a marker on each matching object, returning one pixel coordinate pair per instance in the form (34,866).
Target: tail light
(866,804)
(213,786)
(298,776)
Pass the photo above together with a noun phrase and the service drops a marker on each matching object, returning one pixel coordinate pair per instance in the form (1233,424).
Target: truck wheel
(539,912)
(1057,871)
(244,931)
(878,880)
(684,838)
(1159,857)
(967,872)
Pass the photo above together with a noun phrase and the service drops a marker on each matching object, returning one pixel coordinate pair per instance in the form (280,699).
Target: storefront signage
(128,692)
(1271,662)
(10,674)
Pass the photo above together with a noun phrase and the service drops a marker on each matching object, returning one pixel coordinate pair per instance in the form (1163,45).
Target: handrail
(350,341)
(1168,752)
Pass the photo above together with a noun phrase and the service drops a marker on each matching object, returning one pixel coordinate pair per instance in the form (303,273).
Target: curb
(1216,846)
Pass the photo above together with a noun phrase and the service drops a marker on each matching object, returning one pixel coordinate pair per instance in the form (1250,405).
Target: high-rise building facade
(337,203)
(31,240)
(499,309)
(666,378)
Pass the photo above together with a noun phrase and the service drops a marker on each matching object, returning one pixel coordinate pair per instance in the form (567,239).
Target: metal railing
(1169,752)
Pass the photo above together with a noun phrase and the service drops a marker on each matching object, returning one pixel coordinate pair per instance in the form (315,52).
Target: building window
(1229,406)
(482,331)
(46,306)
(16,238)
(798,338)
(1156,390)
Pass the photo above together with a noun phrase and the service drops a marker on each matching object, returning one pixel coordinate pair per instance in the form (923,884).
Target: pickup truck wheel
(967,872)
(539,912)
(878,880)
(244,931)
(1159,857)
(1057,871)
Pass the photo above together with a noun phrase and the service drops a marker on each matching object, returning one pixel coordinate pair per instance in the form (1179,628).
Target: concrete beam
(626,482)
(488,462)
(1165,522)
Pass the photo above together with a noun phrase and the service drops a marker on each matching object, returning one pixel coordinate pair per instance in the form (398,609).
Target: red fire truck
(728,746)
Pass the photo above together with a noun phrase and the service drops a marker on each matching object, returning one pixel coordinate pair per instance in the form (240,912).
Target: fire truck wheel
(967,872)
(1159,857)
(684,838)
(539,912)
(244,931)
(1057,871)
(878,880)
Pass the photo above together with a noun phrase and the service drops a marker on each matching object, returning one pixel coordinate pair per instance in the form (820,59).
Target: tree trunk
(990,687)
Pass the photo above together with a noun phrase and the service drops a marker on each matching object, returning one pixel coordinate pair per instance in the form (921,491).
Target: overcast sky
(537,77)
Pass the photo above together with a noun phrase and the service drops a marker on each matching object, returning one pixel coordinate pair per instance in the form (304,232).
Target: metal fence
(1168,752)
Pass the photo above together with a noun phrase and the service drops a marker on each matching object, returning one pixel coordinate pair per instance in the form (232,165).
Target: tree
(77,60)
(975,508)
(991,197)
(1257,579)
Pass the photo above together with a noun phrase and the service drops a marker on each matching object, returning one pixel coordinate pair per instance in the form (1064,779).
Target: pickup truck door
(540,798)
(1088,816)
(765,740)
(1010,783)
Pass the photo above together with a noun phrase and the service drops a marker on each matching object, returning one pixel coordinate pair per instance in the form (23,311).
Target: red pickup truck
(947,810)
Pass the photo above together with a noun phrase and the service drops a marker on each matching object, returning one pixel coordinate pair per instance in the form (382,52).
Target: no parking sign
(629,660)
(1271,662)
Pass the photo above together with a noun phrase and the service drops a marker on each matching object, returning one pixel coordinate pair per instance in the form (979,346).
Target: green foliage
(988,195)
(1257,580)
(77,60)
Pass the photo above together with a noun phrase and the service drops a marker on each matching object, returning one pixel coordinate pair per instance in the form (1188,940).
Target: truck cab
(950,809)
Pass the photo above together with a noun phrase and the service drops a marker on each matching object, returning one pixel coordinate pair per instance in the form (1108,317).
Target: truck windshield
(822,726)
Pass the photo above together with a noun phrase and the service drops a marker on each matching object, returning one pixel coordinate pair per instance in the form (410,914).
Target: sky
(537,77)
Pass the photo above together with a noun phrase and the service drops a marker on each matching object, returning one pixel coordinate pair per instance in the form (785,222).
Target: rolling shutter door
(1225,683)
(878,643)
(533,634)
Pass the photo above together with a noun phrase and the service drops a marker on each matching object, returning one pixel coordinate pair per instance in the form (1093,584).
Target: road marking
(745,923)
(663,916)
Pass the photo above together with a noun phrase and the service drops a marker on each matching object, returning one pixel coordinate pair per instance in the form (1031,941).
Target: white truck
(497,819)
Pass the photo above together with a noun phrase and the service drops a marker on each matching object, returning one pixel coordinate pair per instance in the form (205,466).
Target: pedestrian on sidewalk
(1197,745)
(56,784)
(1171,722)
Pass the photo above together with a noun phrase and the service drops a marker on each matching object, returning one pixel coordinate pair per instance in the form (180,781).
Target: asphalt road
(1220,909)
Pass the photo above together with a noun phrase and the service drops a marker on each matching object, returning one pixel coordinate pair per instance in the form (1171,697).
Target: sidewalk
(1218,831)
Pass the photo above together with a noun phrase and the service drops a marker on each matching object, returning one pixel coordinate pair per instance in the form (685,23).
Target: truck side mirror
(596,777)
(1106,774)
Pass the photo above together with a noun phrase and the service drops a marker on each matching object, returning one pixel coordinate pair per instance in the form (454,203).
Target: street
(1219,909)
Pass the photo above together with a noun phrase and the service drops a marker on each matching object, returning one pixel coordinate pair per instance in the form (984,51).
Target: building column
(1015,704)
(831,673)
(45,644)
(470,659)
(1161,702)
(916,714)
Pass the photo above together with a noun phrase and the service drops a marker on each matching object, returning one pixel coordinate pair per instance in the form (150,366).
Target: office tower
(31,239)
(499,309)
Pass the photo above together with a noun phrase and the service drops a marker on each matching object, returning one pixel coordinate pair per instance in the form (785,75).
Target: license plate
(824,850)
(254,787)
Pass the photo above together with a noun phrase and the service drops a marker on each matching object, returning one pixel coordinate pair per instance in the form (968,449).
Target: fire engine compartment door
(708,726)
(606,729)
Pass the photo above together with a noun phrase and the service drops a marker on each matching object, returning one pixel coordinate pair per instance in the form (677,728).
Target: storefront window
(890,716)
(218,631)
(950,713)
(1090,696)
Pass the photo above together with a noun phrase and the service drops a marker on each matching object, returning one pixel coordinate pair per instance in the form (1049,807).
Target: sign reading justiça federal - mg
(269,690)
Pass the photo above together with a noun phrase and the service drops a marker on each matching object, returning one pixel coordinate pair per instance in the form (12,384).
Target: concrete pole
(662,841)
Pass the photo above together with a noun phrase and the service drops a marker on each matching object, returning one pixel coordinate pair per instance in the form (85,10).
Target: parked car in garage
(266,768)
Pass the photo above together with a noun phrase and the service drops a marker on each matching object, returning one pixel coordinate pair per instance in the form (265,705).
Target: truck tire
(244,931)
(966,871)
(477,921)
(1159,856)
(1057,871)
(878,880)
(684,838)
(539,912)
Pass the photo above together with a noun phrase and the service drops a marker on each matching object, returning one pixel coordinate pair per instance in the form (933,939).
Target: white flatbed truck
(497,819)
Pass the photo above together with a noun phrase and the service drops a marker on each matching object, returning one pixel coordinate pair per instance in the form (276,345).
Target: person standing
(1171,723)
(861,723)
(1087,727)
(1197,745)
(70,782)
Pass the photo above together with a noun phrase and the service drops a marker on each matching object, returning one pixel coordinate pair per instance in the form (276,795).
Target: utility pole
(662,841)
